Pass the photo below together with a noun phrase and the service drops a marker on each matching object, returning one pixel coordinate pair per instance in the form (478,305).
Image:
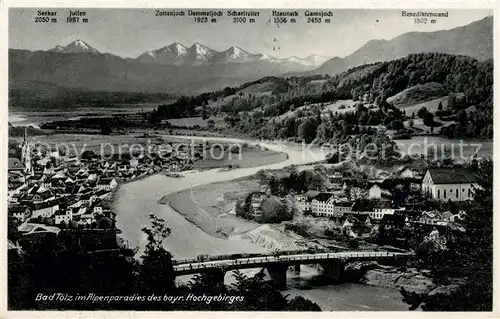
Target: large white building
(324,204)
(455,184)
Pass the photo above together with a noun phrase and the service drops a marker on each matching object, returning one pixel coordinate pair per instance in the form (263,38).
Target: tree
(421,113)
(274,185)
(257,294)
(210,123)
(428,119)
(396,125)
(440,106)
(452,101)
(462,116)
(307,129)
(300,303)
(156,271)
(204,113)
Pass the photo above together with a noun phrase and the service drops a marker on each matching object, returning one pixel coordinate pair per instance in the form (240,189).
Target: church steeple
(25,153)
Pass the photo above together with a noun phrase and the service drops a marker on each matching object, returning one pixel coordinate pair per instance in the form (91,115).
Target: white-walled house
(44,209)
(379,213)
(107,184)
(65,216)
(455,184)
(325,204)
(20,212)
(375,192)
(407,173)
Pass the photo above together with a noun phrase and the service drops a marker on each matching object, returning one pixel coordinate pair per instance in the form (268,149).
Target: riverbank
(212,207)
(135,200)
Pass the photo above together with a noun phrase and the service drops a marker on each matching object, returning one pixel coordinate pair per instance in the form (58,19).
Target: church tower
(26,153)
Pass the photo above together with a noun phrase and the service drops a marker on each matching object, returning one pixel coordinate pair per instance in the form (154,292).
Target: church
(26,154)
(444,184)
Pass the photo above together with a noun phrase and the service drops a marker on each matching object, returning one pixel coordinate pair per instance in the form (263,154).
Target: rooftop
(323,197)
(15,163)
(452,175)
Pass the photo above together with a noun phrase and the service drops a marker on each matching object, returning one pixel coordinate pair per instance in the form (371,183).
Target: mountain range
(197,54)
(179,69)
(475,40)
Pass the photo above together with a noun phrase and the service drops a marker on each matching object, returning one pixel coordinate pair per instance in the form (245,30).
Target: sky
(131,32)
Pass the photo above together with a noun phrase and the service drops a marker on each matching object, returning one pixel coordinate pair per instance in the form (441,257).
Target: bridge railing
(268,259)
(251,255)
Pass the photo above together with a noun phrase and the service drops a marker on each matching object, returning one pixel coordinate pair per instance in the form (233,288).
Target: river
(134,201)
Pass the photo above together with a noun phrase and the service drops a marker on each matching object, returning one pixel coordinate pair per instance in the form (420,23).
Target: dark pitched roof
(104,181)
(18,209)
(35,177)
(85,196)
(362,218)
(43,205)
(14,185)
(344,204)
(452,175)
(71,189)
(408,213)
(60,212)
(101,192)
(15,163)
(46,194)
(323,197)
(393,219)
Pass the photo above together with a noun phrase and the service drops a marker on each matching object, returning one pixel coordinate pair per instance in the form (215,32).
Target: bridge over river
(333,263)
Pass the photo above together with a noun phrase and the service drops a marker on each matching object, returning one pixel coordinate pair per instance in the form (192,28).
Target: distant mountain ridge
(108,72)
(198,54)
(187,70)
(474,40)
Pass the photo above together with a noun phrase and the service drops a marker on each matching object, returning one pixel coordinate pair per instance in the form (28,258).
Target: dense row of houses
(54,191)
(439,184)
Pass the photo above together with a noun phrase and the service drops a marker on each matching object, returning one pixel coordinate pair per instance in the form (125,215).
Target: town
(386,211)
(291,171)
(49,192)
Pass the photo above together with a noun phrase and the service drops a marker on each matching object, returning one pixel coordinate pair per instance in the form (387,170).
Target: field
(341,106)
(250,157)
(35,118)
(431,106)
(417,94)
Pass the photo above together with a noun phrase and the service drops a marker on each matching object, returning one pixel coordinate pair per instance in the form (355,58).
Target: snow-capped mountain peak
(235,54)
(175,48)
(317,59)
(199,54)
(201,50)
(78,46)
(309,61)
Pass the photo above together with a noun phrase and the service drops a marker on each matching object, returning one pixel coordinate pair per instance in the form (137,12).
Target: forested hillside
(311,107)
